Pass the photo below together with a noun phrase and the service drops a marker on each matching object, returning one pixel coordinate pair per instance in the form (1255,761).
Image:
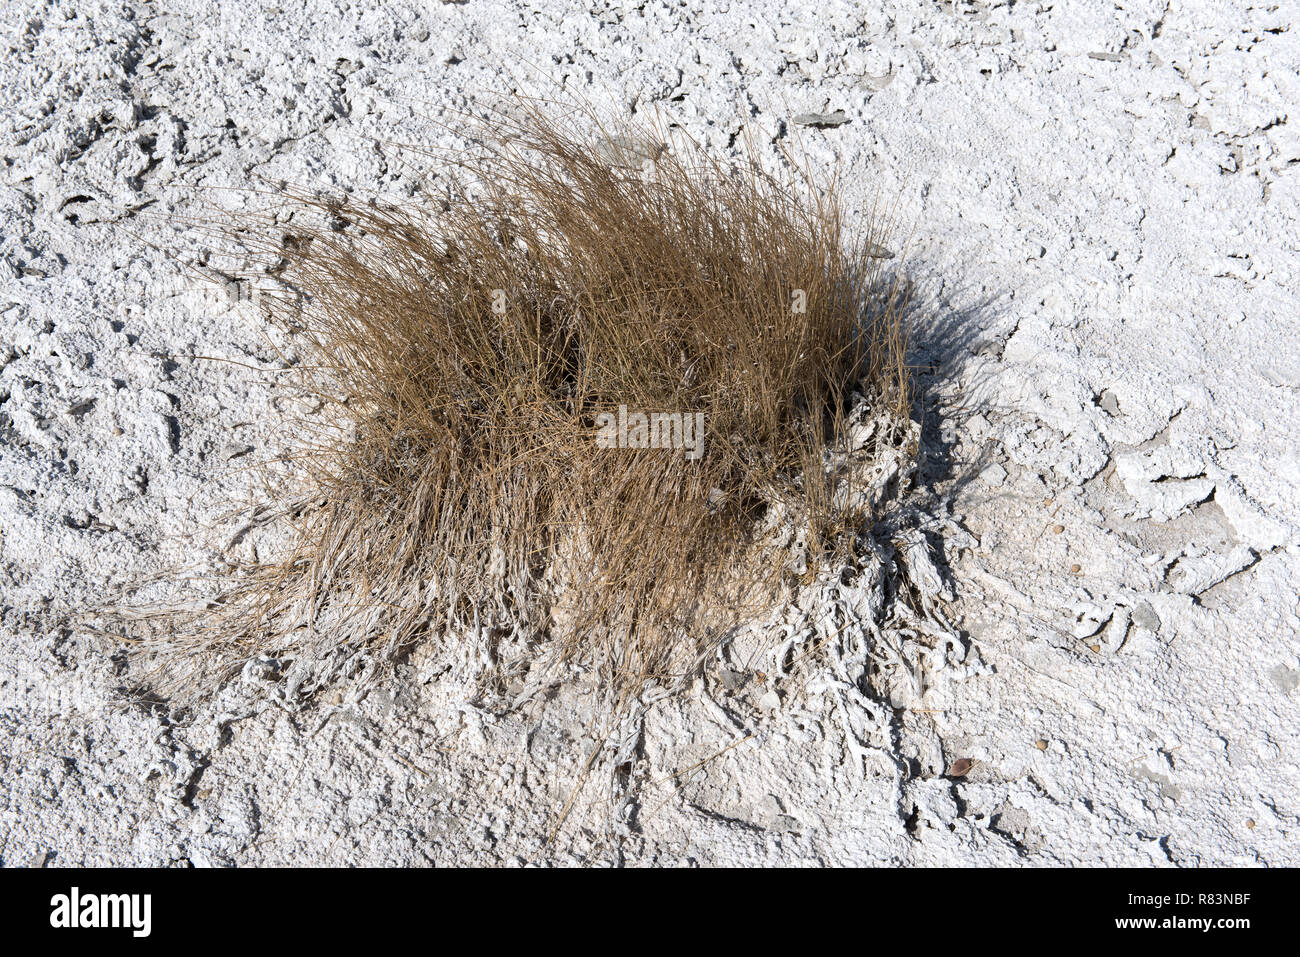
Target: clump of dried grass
(461,486)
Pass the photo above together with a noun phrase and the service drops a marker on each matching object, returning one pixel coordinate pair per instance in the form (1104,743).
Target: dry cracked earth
(1098,205)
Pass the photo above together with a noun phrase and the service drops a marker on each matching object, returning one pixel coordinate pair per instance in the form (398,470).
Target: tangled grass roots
(466,350)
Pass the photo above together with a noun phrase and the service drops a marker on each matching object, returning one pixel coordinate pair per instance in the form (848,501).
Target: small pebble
(994,475)
(838,118)
(1144,616)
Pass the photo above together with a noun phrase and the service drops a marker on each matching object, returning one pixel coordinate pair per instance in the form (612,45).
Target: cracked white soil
(1100,209)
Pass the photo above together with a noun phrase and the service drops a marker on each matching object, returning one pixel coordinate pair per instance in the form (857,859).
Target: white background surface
(1100,206)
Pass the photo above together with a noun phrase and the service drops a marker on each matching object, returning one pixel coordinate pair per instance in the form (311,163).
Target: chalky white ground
(1100,209)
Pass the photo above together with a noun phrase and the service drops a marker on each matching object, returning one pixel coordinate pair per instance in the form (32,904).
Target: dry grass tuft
(461,486)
